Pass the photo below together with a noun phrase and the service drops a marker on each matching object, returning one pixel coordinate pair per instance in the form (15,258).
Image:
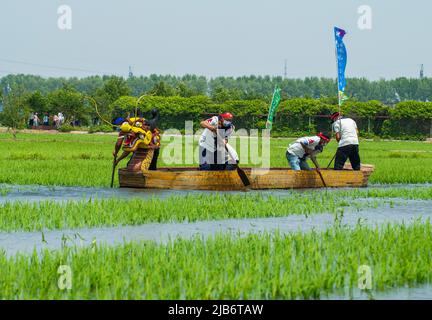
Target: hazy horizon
(214,38)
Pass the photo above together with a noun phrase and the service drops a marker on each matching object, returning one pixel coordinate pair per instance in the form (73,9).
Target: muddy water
(56,193)
(398,212)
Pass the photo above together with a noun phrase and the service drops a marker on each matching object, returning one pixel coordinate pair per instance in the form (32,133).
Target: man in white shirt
(212,151)
(303,148)
(347,135)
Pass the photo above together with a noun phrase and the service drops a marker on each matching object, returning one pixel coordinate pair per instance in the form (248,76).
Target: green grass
(112,212)
(86,160)
(266,266)
(4,191)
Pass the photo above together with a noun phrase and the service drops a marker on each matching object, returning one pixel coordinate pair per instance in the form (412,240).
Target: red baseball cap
(334,116)
(323,136)
(226,116)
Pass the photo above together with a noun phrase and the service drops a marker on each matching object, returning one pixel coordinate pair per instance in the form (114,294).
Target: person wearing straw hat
(347,136)
(307,147)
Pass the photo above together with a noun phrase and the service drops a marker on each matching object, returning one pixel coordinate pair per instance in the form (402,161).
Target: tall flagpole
(337,71)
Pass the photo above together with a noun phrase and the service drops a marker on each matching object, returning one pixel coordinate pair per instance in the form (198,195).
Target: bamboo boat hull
(261,179)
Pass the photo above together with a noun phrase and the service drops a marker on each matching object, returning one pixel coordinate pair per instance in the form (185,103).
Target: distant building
(421,72)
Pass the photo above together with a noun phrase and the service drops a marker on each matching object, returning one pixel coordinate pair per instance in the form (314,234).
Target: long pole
(113,172)
(328,166)
(321,176)
(337,74)
(337,85)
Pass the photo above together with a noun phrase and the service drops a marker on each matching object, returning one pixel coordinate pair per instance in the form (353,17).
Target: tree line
(85,105)
(222,89)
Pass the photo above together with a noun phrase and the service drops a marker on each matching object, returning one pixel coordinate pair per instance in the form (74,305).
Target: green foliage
(244,88)
(123,106)
(15,111)
(192,98)
(37,102)
(66,128)
(44,215)
(162,89)
(412,110)
(29,159)
(113,89)
(183,90)
(101,128)
(252,266)
(71,103)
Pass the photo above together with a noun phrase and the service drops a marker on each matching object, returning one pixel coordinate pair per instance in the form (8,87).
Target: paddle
(331,161)
(113,172)
(321,176)
(319,172)
(243,176)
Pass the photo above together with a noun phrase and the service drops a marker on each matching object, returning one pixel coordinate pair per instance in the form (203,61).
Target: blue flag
(341,59)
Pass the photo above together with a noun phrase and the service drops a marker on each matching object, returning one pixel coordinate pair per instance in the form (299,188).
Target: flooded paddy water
(34,193)
(420,292)
(397,211)
(388,211)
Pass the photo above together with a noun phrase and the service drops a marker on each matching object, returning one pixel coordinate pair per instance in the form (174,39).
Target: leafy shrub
(101,128)
(295,117)
(66,128)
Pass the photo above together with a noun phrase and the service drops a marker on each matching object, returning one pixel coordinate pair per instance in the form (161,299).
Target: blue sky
(215,37)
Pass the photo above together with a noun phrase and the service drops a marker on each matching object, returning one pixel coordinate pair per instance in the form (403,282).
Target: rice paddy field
(86,159)
(56,210)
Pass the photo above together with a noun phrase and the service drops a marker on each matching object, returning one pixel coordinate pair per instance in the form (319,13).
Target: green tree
(15,111)
(37,102)
(71,103)
(183,90)
(113,88)
(162,89)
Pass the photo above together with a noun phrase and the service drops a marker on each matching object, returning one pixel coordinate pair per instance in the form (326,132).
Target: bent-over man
(307,147)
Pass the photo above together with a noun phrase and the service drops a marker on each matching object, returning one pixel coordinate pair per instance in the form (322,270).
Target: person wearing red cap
(307,147)
(212,152)
(347,136)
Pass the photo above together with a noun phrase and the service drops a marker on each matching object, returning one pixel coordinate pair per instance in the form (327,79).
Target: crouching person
(307,147)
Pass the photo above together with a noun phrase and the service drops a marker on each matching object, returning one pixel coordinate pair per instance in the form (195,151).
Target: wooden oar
(113,172)
(322,178)
(243,176)
(328,166)
(319,173)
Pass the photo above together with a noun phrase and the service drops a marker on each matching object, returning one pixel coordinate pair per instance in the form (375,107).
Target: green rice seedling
(4,191)
(85,160)
(256,266)
(111,212)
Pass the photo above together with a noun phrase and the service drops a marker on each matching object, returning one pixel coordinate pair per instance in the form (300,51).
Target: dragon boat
(137,175)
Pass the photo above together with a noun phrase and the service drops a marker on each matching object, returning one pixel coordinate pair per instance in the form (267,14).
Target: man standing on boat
(347,136)
(213,144)
(307,147)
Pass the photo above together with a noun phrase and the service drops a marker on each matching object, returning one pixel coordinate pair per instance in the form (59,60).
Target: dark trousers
(350,152)
(153,164)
